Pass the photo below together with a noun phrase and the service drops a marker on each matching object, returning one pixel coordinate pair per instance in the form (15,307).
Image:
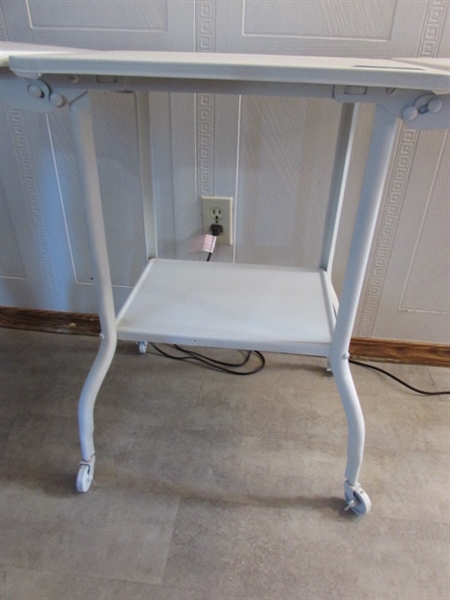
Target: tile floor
(213,487)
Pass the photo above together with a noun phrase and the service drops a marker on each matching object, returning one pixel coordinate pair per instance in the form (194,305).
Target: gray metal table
(286,310)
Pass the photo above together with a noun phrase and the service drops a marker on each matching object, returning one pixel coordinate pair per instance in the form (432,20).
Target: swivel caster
(142,347)
(85,475)
(357,499)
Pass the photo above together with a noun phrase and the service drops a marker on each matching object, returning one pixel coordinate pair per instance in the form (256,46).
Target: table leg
(377,166)
(87,165)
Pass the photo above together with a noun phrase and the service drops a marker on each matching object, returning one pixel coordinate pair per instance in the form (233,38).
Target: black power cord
(224,367)
(212,363)
(215,230)
(407,385)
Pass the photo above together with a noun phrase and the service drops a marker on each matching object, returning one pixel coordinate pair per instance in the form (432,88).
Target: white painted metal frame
(172,300)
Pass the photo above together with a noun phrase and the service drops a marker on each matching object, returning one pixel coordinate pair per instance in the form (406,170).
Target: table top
(408,73)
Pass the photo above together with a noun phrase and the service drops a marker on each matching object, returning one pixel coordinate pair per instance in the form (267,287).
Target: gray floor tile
(217,465)
(152,398)
(274,472)
(254,408)
(408,423)
(125,535)
(51,392)
(42,451)
(44,376)
(29,584)
(6,426)
(399,485)
(293,553)
(30,349)
(153,395)
(441,378)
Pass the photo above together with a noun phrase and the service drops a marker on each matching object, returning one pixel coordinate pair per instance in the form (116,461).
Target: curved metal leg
(377,165)
(85,152)
(86,411)
(356,497)
(354,416)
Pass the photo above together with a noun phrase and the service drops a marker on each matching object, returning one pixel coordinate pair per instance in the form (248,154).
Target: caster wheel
(85,477)
(142,347)
(357,499)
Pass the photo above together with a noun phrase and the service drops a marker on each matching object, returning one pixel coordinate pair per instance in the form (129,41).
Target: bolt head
(56,99)
(410,113)
(435,105)
(35,91)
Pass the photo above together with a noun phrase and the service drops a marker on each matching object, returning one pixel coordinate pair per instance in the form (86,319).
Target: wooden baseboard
(379,350)
(49,321)
(398,351)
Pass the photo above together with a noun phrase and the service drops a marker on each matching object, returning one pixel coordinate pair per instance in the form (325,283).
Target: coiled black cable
(217,365)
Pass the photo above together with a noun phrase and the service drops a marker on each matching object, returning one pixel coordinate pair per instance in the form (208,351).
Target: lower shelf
(224,305)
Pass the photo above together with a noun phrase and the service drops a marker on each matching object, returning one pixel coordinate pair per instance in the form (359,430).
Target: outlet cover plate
(218,209)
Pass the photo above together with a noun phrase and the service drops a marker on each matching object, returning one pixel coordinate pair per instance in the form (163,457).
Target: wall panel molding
(25,161)
(322,27)
(164,25)
(422,292)
(322,19)
(139,16)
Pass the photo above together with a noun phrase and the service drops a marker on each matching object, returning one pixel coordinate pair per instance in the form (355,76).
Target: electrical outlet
(218,210)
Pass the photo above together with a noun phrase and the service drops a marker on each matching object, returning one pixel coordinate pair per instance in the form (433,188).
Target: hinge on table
(36,95)
(429,111)
(419,110)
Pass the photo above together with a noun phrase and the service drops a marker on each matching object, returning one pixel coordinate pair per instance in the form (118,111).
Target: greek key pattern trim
(205,102)
(404,157)
(395,190)
(3,36)
(433,27)
(28,177)
(205,128)
(205,26)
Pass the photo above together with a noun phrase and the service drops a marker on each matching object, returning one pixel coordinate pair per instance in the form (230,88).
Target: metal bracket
(35,95)
(429,111)
(419,110)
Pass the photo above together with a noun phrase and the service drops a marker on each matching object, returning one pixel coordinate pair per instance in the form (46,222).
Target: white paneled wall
(273,155)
